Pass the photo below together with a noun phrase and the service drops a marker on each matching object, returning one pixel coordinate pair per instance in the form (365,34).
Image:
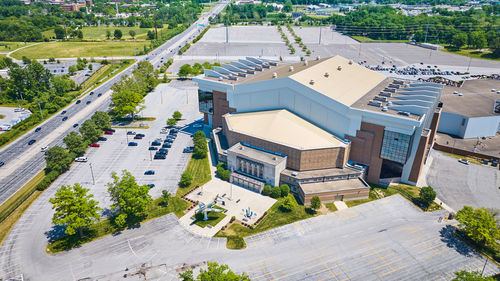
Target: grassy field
(17,204)
(99,32)
(476,54)
(80,49)
(473,160)
(367,39)
(212,218)
(6,47)
(200,170)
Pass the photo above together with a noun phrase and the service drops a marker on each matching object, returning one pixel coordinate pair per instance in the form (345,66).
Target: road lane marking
(394,270)
(386,264)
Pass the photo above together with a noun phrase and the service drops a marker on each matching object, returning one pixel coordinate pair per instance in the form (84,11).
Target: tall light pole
(92,173)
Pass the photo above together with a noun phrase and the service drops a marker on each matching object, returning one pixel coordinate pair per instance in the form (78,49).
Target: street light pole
(92,173)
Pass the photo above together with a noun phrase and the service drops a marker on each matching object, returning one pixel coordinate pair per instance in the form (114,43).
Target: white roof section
(283,127)
(339,79)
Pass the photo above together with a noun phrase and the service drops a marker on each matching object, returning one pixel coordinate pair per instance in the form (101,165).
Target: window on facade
(205,101)
(395,146)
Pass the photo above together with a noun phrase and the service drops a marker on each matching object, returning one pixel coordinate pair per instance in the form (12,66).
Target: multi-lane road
(23,161)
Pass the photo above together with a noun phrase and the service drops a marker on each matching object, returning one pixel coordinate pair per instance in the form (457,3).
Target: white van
(81,159)
(45,148)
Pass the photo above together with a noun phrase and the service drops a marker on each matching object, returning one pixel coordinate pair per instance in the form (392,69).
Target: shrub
(315,203)
(186,179)
(266,190)
(287,204)
(275,192)
(285,190)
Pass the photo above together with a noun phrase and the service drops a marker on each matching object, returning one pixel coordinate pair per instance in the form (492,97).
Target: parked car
(81,159)
(132,143)
(65,118)
(78,101)
(163,131)
(130,133)
(141,135)
(464,161)
(108,132)
(43,149)
(149,172)
(166,145)
(88,102)
(75,125)
(100,94)
(63,112)
(38,129)
(31,142)
(162,151)
(151,185)
(197,125)
(153,148)
(188,149)
(91,93)
(95,145)
(1,163)
(160,156)
(111,130)
(137,137)
(102,139)
(156,143)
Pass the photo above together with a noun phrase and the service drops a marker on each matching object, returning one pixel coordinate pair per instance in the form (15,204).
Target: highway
(23,161)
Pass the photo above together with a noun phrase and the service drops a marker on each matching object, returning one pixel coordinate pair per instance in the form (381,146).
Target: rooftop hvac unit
(305,62)
(405,113)
(294,174)
(390,90)
(275,75)
(232,77)
(394,86)
(375,103)
(460,94)
(311,82)
(290,68)
(385,94)
(339,68)
(350,62)
(220,78)
(389,103)
(318,57)
(398,82)
(380,98)
(384,108)
(327,74)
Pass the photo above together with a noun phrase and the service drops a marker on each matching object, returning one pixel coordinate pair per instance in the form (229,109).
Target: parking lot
(114,154)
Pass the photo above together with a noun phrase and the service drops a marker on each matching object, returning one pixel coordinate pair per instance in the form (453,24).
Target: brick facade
(221,107)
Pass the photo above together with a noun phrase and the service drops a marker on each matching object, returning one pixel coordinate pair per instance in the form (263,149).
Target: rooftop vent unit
(265,65)
(275,75)
(318,57)
(460,94)
(327,74)
(389,103)
(385,94)
(384,108)
(290,68)
(339,68)
(220,78)
(379,98)
(274,158)
(394,86)
(405,113)
(305,63)
(350,62)
(390,90)
(398,82)
(375,103)
(232,77)
(455,92)
(311,82)
(294,174)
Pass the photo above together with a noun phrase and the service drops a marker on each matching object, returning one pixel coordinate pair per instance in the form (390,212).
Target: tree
(151,35)
(108,34)
(477,39)
(479,225)
(129,198)
(463,275)
(89,130)
(288,203)
(79,34)
(177,115)
(60,32)
(186,275)
(118,34)
(427,195)
(287,8)
(275,192)
(185,70)
(285,190)
(458,40)
(266,190)
(315,203)
(186,179)
(58,159)
(91,66)
(171,122)
(102,120)
(495,47)
(72,69)
(132,33)
(222,172)
(74,143)
(74,208)
(200,145)
(165,197)
(216,272)
(126,101)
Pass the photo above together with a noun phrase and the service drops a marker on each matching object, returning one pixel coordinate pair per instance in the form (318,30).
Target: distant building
(72,7)
(331,130)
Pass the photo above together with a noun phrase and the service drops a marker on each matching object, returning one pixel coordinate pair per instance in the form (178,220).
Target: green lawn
(213,218)
(6,47)
(331,207)
(367,39)
(99,32)
(80,49)
(200,170)
(476,54)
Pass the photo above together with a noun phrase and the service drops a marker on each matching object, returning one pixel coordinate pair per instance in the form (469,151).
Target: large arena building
(322,126)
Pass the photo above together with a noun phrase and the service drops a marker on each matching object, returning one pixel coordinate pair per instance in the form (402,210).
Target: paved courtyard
(233,198)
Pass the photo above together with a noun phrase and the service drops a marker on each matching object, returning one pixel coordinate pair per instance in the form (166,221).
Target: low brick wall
(463,152)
